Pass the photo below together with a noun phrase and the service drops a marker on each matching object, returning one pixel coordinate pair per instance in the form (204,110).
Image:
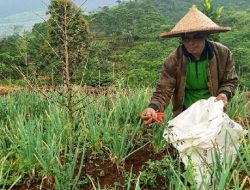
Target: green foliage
(5,70)
(99,69)
(125,41)
(67,27)
(131,17)
(154,170)
(238,41)
(34,141)
(66,17)
(140,64)
(214,15)
(208,9)
(237,109)
(10,51)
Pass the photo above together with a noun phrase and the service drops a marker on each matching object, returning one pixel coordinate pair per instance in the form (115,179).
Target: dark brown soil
(101,169)
(3,91)
(98,166)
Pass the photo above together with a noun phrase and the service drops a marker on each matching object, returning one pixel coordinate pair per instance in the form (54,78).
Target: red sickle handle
(159,118)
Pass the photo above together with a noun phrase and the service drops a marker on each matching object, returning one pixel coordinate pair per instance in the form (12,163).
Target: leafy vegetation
(34,143)
(118,47)
(124,45)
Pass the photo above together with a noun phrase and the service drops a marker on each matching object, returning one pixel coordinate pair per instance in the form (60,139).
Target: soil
(101,169)
(4,91)
(113,175)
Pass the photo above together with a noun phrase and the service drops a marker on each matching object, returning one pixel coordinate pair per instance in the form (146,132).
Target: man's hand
(222,97)
(147,115)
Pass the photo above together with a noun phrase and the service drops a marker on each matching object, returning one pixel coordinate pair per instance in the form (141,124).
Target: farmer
(196,70)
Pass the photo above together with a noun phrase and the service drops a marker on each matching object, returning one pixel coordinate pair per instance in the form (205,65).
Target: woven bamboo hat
(194,21)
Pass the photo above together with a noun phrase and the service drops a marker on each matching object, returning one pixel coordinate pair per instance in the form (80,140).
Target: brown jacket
(221,77)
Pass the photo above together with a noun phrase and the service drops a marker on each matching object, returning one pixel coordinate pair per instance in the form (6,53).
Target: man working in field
(196,70)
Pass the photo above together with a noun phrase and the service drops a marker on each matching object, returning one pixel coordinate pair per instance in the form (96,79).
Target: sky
(10,7)
(26,13)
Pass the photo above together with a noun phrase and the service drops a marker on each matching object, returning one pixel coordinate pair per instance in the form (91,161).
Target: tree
(208,9)
(68,44)
(67,31)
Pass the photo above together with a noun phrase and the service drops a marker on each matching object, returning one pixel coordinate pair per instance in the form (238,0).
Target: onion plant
(123,127)
(155,133)
(34,140)
(237,109)
(113,122)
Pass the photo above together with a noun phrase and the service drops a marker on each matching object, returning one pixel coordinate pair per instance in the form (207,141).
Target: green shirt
(196,82)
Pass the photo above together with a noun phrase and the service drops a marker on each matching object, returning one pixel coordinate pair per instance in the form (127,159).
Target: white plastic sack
(201,128)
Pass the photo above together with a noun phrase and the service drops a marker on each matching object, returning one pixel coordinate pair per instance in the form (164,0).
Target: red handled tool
(159,118)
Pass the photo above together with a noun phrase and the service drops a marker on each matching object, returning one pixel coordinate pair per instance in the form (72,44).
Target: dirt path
(4,90)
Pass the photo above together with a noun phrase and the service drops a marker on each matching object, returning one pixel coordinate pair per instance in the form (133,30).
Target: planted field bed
(109,147)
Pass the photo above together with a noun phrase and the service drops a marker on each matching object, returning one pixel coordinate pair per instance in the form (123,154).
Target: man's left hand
(222,97)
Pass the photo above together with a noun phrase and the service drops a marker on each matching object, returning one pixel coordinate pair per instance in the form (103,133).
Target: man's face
(194,42)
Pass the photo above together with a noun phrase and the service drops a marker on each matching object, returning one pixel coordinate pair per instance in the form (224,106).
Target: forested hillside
(73,91)
(124,45)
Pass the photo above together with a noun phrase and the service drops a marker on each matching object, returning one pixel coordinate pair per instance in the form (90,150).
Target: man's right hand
(147,115)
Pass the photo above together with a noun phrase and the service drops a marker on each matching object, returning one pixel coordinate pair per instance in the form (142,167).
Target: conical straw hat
(194,21)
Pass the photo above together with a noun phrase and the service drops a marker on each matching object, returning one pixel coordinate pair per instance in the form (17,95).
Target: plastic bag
(201,130)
